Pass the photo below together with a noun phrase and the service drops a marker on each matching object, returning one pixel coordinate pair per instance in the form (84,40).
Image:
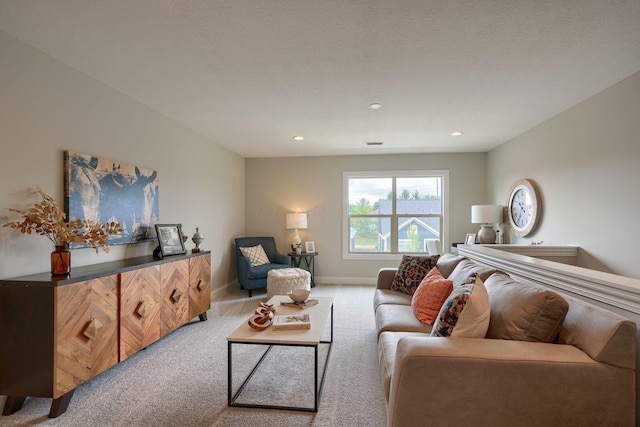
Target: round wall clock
(524,207)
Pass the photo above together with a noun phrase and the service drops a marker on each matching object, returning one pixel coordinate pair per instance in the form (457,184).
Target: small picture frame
(169,240)
(470,239)
(309,247)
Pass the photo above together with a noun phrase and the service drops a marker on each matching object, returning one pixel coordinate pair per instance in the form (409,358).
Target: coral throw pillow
(256,255)
(465,313)
(411,272)
(430,295)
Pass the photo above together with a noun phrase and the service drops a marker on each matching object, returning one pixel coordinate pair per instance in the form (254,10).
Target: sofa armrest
(278,258)
(385,277)
(466,381)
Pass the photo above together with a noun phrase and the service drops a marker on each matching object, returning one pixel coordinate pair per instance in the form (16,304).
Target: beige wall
(586,162)
(275,186)
(47,107)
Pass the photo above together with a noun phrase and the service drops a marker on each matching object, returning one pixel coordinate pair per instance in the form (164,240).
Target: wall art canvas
(104,190)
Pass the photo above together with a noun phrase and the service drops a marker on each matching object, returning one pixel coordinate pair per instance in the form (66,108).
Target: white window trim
(444,239)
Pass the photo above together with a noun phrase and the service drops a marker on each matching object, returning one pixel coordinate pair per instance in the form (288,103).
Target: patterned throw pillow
(256,255)
(411,272)
(430,295)
(465,314)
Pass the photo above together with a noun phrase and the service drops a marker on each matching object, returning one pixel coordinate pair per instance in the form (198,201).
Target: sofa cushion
(523,312)
(255,254)
(411,272)
(398,318)
(447,263)
(430,295)
(465,314)
(387,296)
(466,269)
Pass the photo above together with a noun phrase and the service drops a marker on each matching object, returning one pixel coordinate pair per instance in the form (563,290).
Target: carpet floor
(181,380)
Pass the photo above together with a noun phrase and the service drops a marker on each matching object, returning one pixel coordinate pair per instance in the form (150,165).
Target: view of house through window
(393,212)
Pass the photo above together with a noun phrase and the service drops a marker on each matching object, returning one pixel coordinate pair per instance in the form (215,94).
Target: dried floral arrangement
(47,219)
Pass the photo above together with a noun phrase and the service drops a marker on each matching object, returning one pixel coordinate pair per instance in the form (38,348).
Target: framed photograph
(470,239)
(309,247)
(170,239)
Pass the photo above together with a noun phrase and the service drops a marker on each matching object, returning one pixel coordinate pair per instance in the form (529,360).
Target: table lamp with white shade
(487,215)
(296,221)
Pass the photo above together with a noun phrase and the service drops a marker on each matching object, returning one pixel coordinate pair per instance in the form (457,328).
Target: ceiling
(249,74)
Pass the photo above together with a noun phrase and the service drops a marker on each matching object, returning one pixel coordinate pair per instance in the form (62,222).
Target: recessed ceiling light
(375,106)
(298,138)
(456,133)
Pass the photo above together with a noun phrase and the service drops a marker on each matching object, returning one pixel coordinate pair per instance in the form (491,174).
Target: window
(390,213)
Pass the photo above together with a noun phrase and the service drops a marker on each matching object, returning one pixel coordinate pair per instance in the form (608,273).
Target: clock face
(523,207)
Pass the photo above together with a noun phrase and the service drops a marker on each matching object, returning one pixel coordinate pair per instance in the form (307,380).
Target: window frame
(444,238)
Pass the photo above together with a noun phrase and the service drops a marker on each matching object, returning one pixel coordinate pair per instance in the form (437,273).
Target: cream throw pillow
(465,314)
(256,255)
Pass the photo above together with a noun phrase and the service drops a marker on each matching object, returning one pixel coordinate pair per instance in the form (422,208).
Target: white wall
(275,186)
(47,107)
(586,162)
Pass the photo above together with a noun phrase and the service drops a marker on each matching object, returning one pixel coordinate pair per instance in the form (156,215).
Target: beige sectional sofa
(584,377)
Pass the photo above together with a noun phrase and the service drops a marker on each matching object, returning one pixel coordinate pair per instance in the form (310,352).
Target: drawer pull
(176,295)
(141,309)
(92,329)
(199,285)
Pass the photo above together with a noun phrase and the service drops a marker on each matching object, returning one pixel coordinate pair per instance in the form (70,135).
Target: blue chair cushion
(261,271)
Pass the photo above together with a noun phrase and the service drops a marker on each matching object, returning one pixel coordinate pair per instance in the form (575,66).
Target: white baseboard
(224,289)
(320,280)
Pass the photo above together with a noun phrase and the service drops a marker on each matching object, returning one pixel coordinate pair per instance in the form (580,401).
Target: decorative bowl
(299,295)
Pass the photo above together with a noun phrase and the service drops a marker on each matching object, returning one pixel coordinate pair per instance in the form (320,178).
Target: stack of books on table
(300,305)
(291,321)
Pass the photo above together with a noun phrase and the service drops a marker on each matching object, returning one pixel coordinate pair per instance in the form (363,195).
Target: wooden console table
(58,333)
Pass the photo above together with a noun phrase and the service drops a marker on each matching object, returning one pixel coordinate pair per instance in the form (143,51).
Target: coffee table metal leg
(330,329)
(315,381)
(231,400)
(326,364)
(332,323)
(229,373)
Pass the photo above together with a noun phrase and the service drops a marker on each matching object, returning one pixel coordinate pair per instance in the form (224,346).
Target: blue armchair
(251,278)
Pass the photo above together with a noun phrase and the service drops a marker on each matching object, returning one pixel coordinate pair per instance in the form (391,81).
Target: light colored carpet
(182,379)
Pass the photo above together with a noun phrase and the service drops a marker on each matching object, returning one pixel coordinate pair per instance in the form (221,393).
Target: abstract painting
(104,190)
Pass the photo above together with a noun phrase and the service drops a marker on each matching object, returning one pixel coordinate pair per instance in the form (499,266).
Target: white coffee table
(244,334)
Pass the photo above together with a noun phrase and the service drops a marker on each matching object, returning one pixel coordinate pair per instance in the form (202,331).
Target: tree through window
(393,212)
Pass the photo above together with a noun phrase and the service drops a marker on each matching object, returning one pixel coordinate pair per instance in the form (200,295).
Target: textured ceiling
(250,74)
